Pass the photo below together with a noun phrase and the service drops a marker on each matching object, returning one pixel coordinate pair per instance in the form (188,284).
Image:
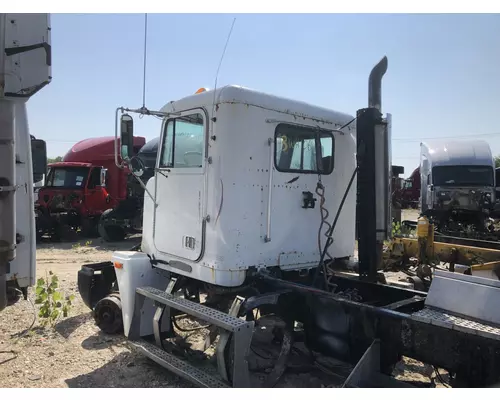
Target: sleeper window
(303,149)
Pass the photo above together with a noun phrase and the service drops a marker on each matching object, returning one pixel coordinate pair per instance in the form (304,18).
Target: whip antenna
(221,59)
(144,61)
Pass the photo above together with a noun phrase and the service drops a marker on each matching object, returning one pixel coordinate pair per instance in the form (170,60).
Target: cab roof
(458,152)
(233,94)
(93,150)
(69,164)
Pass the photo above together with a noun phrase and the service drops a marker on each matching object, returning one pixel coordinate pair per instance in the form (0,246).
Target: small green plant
(52,300)
(396,229)
(400,230)
(78,245)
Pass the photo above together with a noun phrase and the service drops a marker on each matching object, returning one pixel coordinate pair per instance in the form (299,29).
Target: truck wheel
(108,314)
(275,334)
(89,228)
(111,233)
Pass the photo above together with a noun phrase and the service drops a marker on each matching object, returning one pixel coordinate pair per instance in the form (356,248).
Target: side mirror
(126,137)
(104,174)
(38,159)
(137,166)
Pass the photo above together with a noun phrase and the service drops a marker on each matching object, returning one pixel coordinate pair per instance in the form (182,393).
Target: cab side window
(301,149)
(94,178)
(183,142)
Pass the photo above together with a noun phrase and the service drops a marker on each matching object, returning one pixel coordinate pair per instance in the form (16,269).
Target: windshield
(69,177)
(462,175)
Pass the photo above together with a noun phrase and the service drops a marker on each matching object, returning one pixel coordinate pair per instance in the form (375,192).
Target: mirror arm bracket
(146,190)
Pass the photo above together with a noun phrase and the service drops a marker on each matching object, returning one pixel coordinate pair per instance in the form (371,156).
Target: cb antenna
(220,62)
(144,61)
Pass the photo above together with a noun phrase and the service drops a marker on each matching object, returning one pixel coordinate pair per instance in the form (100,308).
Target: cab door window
(94,178)
(183,142)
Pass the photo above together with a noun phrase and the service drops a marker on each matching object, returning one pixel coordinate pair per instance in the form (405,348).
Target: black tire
(108,314)
(89,228)
(111,233)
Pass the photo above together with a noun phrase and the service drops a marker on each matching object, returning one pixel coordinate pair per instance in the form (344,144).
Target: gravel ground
(76,354)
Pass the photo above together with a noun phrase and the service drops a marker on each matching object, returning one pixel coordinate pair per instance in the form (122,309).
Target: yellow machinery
(427,252)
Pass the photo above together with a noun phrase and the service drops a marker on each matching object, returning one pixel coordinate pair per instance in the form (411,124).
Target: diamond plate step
(178,366)
(213,317)
(454,322)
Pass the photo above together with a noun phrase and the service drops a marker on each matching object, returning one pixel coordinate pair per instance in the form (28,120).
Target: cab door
(95,197)
(181,186)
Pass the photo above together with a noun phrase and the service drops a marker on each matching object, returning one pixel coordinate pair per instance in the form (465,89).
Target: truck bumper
(95,281)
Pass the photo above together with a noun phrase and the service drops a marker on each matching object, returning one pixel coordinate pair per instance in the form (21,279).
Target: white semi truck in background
(25,68)
(457,184)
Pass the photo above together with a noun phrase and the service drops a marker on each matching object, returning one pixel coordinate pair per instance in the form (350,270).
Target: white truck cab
(235,185)
(457,175)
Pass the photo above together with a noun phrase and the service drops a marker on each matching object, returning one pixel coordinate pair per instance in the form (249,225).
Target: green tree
(53,160)
(497,161)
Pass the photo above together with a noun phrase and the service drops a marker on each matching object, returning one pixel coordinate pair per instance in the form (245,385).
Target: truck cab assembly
(248,218)
(252,205)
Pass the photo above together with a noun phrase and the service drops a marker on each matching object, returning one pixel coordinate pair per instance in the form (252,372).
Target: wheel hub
(108,314)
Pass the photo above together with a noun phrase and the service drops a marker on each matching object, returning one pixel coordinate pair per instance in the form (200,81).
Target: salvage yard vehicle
(126,216)
(237,236)
(83,186)
(408,196)
(458,184)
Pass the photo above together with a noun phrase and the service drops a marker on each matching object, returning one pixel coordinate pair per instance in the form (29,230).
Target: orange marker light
(200,90)
(118,265)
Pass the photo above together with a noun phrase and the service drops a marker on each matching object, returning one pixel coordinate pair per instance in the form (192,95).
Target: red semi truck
(408,196)
(80,188)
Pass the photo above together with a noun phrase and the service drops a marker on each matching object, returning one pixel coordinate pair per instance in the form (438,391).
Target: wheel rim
(108,314)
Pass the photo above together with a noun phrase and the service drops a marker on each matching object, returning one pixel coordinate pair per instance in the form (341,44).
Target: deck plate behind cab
(463,303)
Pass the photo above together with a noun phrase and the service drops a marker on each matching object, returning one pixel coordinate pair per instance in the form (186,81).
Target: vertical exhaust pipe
(375,84)
(372,211)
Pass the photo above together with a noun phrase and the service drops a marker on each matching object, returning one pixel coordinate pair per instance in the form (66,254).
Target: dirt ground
(75,353)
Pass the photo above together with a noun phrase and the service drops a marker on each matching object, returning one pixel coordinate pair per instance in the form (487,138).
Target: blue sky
(443,77)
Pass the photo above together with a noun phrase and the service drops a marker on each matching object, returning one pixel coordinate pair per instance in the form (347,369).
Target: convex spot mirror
(126,137)
(137,166)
